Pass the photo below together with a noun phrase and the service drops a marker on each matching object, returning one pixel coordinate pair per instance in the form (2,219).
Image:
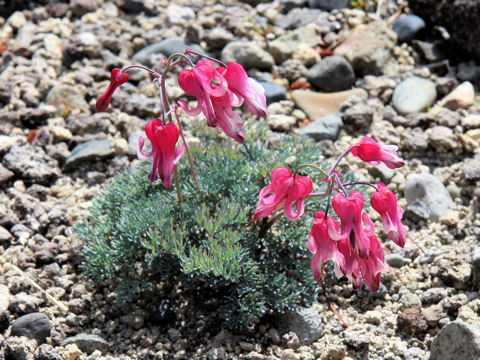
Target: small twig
(321,280)
(416,244)
(49,297)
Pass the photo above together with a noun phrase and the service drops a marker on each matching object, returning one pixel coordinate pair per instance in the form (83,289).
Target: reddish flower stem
(321,280)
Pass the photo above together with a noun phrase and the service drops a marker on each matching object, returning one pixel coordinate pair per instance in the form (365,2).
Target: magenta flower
(384,202)
(117,78)
(372,152)
(227,119)
(245,88)
(323,242)
(198,82)
(284,190)
(349,210)
(163,138)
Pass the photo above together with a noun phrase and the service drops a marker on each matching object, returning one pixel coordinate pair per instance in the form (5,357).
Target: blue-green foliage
(137,233)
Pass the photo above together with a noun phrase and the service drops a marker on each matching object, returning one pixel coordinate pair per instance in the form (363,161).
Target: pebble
(90,150)
(395,260)
(427,197)
(248,54)
(317,105)
(368,48)
(329,4)
(413,95)
(411,321)
(456,340)
(334,73)
(461,97)
(281,122)
(4,296)
(34,326)
(327,127)
(408,27)
(66,98)
(19,348)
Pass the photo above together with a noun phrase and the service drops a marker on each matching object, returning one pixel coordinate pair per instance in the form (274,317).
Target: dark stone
(431,52)
(408,27)
(329,4)
(457,340)
(305,322)
(135,7)
(89,150)
(162,313)
(334,73)
(327,127)
(476,267)
(165,47)
(34,326)
(273,92)
(292,4)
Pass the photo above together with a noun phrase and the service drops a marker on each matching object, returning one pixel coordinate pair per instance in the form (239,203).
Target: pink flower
(323,242)
(117,78)
(227,119)
(284,190)
(163,138)
(349,210)
(198,82)
(385,203)
(372,152)
(245,88)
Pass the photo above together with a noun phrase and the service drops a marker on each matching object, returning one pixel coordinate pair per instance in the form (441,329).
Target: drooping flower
(163,138)
(227,119)
(245,88)
(385,203)
(356,224)
(117,78)
(284,190)
(323,242)
(198,82)
(372,152)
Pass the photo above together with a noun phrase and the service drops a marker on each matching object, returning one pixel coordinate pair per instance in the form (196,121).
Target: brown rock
(411,321)
(460,98)
(317,105)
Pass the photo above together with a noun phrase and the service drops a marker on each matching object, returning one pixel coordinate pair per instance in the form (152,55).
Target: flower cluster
(217,90)
(352,245)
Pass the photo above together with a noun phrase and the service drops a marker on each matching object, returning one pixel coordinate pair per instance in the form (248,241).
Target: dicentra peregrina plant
(351,245)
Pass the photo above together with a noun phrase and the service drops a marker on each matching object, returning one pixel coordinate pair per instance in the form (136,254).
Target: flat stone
(273,92)
(413,95)
(165,47)
(305,322)
(395,260)
(34,326)
(329,4)
(325,128)
(66,98)
(427,197)
(281,122)
(368,47)
(88,343)
(461,97)
(457,340)
(89,150)
(317,105)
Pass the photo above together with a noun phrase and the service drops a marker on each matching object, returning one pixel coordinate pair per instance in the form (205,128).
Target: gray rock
(414,94)
(217,38)
(429,51)
(288,5)
(433,295)
(34,326)
(66,98)
(368,48)
(427,197)
(413,353)
(456,340)
(329,4)
(273,92)
(360,115)
(19,348)
(408,27)
(333,73)
(46,352)
(395,260)
(248,54)
(300,17)
(133,143)
(283,47)
(327,127)
(357,340)
(88,343)
(468,71)
(305,322)
(291,69)
(136,7)
(89,150)
(281,122)
(5,174)
(32,164)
